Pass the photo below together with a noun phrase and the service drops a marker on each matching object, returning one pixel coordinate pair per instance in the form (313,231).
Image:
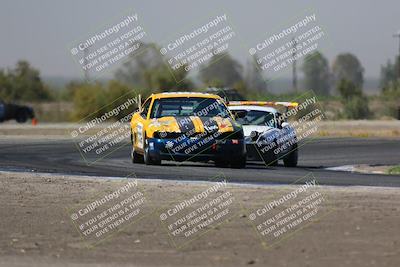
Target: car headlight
(254,135)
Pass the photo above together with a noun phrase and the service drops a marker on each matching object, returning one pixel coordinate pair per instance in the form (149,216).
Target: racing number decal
(139,134)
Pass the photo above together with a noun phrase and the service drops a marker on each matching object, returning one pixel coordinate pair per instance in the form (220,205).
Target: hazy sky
(40,31)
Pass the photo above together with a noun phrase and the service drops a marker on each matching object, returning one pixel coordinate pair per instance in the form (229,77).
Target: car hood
(193,124)
(247,129)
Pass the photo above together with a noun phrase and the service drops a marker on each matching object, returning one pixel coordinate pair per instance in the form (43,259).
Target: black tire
(239,163)
(147,159)
(290,160)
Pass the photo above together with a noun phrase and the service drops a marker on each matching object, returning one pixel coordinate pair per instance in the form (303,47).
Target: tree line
(147,72)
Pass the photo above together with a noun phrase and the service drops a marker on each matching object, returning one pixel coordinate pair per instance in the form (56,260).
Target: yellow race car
(186,126)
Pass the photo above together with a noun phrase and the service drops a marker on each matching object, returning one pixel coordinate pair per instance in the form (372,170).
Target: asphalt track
(62,156)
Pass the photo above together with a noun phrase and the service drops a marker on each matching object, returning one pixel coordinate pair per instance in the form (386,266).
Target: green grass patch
(394,170)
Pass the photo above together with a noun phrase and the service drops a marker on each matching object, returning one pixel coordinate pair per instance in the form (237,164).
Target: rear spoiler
(263,103)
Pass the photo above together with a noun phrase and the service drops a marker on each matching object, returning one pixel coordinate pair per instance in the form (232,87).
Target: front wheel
(148,160)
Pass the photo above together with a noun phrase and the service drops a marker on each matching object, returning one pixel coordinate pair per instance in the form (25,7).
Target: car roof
(185,94)
(249,107)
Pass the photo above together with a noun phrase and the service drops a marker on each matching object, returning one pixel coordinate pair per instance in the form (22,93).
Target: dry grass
(360,128)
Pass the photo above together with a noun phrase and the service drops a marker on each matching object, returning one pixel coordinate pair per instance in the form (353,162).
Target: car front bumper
(195,150)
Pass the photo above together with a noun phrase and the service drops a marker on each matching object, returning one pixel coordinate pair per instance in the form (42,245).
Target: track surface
(62,156)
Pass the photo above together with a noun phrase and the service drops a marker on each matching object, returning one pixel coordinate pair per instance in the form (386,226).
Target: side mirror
(285,124)
(279,121)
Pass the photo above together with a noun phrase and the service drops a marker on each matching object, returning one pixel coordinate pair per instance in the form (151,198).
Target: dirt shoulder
(359,128)
(359,226)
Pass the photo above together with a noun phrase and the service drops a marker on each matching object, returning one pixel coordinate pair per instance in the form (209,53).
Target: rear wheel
(290,160)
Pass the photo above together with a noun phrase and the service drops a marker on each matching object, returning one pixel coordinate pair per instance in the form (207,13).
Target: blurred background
(357,77)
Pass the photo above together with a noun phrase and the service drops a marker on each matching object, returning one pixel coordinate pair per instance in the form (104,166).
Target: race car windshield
(189,106)
(256,117)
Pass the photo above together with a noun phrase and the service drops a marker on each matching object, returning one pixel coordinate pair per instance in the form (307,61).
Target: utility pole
(397,35)
(294,73)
